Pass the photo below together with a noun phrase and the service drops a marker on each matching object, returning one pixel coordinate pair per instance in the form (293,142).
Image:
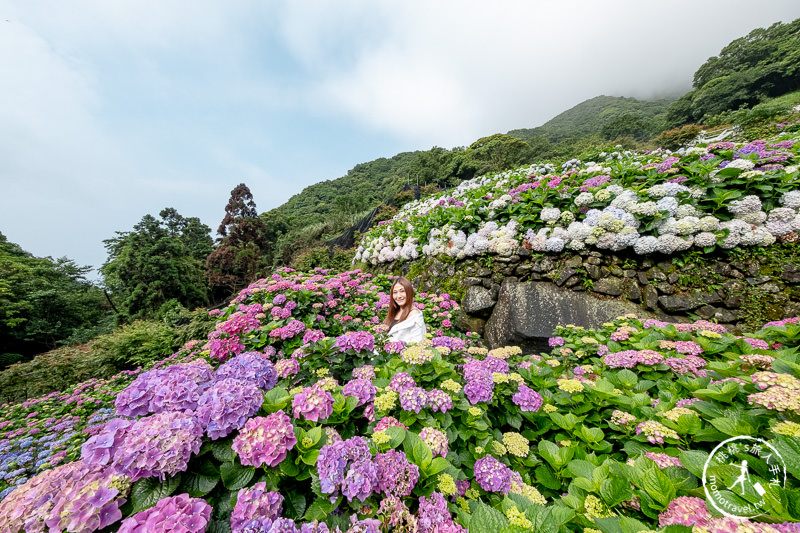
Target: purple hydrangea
(394,347)
(401,381)
(475,370)
(364,372)
(255,509)
(358,341)
(396,475)
(555,342)
(72,497)
(157,445)
(361,389)
(282,525)
(439,400)
(478,391)
(413,399)
(495,364)
(315,527)
(313,335)
(624,359)
(527,399)
(313,403)
(492,475)
(227,405)
(348,466)
(434,516)
(176,513)
(249,366)
(174,388)
(265,440)
(454,343)
(388,422)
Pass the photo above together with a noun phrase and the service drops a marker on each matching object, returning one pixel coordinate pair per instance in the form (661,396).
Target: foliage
(43,301)
(592,116)
(323,257)
(677,137)
(138,344)
(242,251)
(760,65)
(609,431)
(158,261)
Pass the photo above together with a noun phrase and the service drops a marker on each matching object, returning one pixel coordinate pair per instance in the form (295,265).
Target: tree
(158,262)
(243,245)
(43,301)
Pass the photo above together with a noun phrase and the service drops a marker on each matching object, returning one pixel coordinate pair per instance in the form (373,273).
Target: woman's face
(399,295)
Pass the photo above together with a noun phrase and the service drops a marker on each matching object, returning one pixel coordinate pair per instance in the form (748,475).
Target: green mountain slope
(592,116)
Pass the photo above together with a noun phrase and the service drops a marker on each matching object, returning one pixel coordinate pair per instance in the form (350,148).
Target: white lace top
(412,329)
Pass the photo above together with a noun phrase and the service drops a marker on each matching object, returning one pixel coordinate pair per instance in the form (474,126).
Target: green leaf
(546,477)
(626,378)
(487,519)
(222,450)
(694,461)
(437,465)
(416,450)
(789,450)
(149,491)
(320,509)
(658,486)
(580,468)
(235,476)
(198,485)
(219,526)
(397,434)
(294,505)
(615,490)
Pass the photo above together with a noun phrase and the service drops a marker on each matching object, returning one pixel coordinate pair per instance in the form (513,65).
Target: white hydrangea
(550,214)
(791,199)
(697,150)
(748,204)
(647,209)
(584,198)
(704,239)
(743,164)
(708,223)
(757,217)
(687,225)
(616,190)
(686,210)
(697,193)
(602,195)
(669,244)
(554,244)
(668,203)
(667,225)
(646,245)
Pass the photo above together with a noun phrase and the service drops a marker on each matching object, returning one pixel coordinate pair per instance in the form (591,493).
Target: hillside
(592,116)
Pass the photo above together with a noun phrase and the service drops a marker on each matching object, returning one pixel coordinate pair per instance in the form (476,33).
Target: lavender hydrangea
(527,399)
(492,475)
(434,516)
(313,403)
(252,367)
(478,391)
(227,405)
(347,466)
(401,381)
(439,400)
(265,440)
(174,388)
(255,509)
(361,389)
(73,497)
(413,399)
(396,475)
(176,513)
(287,367)
(364,372)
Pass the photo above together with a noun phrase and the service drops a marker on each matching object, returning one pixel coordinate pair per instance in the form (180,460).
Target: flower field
(297,415)
(723,194)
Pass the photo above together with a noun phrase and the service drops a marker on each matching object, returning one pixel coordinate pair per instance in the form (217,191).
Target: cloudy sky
(112,109)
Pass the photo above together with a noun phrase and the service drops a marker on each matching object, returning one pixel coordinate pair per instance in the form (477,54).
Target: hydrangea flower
(527,399)
(396,476)
(478,391)
(492,475)
(255,509)
(685,511)
(361,389)
(72,497)
(434,516)
(347,466)
(249,366)
(439,400)
(176,513)
(265,440)
(413,399)
(313,403)
(436,441)
(174,388)
(226,405)
(358,341)
(287,367)
(401,381)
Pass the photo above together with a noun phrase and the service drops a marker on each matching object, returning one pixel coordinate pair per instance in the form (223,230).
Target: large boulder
(527,313)
(477,300)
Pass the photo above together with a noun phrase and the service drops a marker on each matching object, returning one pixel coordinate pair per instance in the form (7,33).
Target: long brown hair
(397,313)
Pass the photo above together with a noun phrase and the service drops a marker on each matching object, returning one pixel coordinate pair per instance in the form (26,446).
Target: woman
(405,322)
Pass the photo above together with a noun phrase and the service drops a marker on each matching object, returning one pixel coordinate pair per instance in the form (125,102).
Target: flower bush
(609,432)
(722,194)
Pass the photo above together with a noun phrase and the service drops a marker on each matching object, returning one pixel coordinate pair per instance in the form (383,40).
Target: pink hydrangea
(436,441)
(255,509)
(313,403)
(265,440)
(176,513)
(685,511)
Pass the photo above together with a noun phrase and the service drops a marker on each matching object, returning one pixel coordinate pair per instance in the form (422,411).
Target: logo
(738,474)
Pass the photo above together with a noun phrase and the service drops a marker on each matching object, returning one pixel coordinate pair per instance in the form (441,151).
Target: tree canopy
(160,261)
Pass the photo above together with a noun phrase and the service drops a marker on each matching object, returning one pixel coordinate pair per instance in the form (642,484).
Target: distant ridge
(590,116)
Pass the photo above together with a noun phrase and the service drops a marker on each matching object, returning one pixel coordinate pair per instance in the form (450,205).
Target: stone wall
(519,299)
